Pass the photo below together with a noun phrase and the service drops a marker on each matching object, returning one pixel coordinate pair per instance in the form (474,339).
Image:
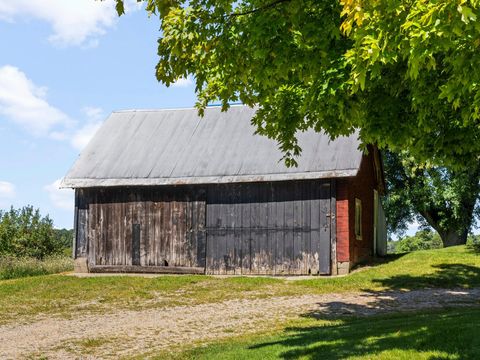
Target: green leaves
(406,73)
(438,197)
(120,8)
(467,14)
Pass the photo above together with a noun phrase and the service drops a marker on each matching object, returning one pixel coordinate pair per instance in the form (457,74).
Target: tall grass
(12,268)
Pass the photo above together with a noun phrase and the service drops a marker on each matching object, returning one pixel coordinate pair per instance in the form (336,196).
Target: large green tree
(437,197)
(405,72)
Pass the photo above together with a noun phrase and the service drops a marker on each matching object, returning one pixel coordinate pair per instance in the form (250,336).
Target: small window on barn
(358,219)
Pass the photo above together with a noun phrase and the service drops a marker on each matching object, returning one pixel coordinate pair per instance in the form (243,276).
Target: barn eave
(92,182)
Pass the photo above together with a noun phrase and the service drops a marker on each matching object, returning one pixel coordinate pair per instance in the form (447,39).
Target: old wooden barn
(167,191)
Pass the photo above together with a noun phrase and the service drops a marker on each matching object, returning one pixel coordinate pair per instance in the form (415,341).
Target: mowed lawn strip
(61,295)
(446,334)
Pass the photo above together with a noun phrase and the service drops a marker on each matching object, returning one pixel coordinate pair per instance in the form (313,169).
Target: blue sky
(65,66)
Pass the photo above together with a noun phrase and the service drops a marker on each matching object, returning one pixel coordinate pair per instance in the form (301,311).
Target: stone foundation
(80,265)
(343,268)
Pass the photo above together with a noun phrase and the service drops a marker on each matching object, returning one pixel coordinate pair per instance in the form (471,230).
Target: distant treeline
(25,232)
(425,239)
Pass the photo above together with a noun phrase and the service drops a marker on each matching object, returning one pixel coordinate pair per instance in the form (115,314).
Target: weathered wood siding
(81,224)
(144,227)
(269,228)
(247,228)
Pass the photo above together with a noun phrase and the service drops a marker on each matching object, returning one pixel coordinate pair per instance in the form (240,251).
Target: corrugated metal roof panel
(157,147)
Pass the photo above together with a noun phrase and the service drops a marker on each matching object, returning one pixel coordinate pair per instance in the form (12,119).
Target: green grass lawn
(61,295)
(447,334)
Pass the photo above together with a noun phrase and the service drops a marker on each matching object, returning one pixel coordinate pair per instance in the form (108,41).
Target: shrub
(422,240)
(473,242)
(25,233)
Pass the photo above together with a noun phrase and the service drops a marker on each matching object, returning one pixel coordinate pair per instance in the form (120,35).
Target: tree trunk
(452,238)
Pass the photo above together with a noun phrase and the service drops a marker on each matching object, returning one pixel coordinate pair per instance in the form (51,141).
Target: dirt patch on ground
(126,333)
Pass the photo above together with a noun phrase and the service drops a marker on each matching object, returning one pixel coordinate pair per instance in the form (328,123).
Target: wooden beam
(146,269)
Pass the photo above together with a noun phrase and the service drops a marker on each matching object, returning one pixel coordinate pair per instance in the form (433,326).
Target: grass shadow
(377,261)
(445,276)
(452,335)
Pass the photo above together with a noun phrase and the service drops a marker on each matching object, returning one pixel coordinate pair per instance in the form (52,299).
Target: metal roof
(160,147)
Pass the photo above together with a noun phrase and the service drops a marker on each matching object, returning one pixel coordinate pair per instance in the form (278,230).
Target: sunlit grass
(62,295)
(447,334)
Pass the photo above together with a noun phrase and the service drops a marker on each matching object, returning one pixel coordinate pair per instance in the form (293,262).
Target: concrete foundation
(80,265)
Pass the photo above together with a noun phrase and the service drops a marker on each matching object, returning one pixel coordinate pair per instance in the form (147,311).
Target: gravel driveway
(124,333)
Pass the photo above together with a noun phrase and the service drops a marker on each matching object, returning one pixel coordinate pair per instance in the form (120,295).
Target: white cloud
(25,103)
(83,135)
(74,22)
(60,198)
(183,82)
(7,190)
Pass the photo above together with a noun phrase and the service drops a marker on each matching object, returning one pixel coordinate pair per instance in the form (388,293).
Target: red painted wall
(343,232)
(360,187)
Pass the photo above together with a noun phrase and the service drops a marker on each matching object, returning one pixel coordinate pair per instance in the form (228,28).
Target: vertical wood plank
(255,224)
(190,243)
(246,228)
(271,227)
(315,226)
(324,254)
(167,230)
(122,232)
(333,227)
(306,227)
(237,228)
(157,219)
(143,215)
(210,223)
(129,219)
(201,208)
(91,238)
(102,230)
(115,219)
(289,231)
(281,261)
(262,237)
(297,225)
(229,205)
(76,240)
(150,223)
(136,247)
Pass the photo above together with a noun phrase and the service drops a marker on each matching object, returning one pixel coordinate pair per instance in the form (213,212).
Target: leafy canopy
(405,72)
(436,197)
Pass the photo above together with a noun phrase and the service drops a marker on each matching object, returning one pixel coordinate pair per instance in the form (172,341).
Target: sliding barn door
(158,226)
(269,228)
